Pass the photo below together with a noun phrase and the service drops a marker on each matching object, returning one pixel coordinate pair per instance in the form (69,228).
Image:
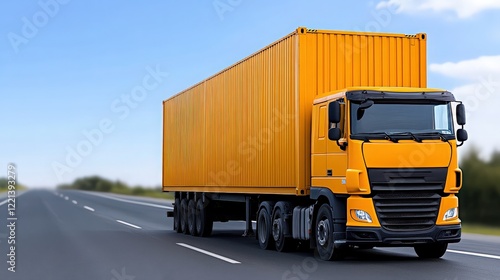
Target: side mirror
(334,134)
(334,112)
(461,114)
(461,135)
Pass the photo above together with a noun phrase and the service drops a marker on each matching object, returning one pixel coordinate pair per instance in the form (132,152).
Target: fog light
(450,214)
(362,216)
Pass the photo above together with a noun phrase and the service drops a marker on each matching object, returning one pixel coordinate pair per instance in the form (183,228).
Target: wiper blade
(434,133)
(413,136)
(382,135)
(390,138)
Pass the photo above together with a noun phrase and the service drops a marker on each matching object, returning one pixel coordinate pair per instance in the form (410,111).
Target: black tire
(204,222)
(282,243)
(264,236)
(325,243)
(431,251)
(177,216)
(192,217)
(184,216)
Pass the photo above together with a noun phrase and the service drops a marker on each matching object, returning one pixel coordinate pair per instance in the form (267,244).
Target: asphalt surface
(79,235)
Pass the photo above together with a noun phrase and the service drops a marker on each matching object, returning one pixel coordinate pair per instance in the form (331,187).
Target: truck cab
(386,160)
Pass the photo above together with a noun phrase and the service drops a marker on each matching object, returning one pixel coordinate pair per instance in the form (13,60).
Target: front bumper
(370,236)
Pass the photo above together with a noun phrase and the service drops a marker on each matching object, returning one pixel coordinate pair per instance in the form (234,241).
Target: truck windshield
(393,119)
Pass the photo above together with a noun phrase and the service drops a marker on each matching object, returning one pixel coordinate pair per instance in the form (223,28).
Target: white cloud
(472,69)
(481,96)
(462,8)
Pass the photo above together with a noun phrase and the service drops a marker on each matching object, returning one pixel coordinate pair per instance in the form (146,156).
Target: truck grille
(407,200)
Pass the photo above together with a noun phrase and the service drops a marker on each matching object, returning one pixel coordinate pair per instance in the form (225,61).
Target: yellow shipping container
(247,129)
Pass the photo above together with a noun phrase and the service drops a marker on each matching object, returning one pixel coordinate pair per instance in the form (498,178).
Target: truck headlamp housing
(361,216)
(450,214)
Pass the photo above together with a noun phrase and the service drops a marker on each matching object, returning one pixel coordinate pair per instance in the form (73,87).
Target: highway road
(81,235)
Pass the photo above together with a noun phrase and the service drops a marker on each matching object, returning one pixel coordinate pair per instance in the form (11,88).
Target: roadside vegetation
(4,185)
(99,184)
(480,194)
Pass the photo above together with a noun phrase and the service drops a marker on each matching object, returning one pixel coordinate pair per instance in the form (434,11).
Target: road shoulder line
(208,253)
(474,254)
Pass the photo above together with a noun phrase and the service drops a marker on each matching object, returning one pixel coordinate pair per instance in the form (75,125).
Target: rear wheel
(282,243)
(264,229)
(325,243)
(192,217)
(204,223)
(431,251)
(184,216)
(177,215)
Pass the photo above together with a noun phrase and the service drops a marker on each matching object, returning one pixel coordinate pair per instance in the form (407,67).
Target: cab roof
(333,95)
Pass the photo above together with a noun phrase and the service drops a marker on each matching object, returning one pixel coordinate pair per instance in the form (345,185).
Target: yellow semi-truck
(325,138)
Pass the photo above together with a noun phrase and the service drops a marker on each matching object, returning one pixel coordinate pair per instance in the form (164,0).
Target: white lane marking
(208,253)
(128,224)
(74,202)
(89,208)
(133,202)
(17,195)
(66,198)
(61,195)
(475,254)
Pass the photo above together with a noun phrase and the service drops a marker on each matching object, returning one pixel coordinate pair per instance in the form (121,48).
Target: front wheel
(325,243)
(431,251)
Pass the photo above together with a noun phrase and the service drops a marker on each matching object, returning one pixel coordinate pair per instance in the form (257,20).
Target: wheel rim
(276,229)
(323,232)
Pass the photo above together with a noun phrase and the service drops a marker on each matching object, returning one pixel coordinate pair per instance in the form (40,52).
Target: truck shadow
(234,239)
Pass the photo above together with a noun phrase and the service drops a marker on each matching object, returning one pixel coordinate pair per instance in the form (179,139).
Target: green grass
(481,229)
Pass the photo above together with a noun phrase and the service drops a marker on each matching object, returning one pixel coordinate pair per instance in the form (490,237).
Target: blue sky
(71,68)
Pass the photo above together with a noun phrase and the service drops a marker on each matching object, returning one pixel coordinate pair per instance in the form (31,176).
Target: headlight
(361,216)
(450,214)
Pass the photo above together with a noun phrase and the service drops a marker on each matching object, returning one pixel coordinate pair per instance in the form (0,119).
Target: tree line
(100,184)
(479,197)
(4,185)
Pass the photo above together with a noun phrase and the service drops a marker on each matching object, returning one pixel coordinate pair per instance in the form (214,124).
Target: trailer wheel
(184,216)
(177,215)
(204,223)
(282,243)
(192,217)
(264,229)
(325,243)
(431,251)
